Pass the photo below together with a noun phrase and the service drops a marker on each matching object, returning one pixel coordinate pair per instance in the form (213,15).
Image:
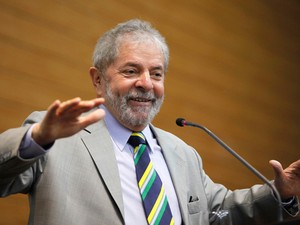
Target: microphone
(182,122)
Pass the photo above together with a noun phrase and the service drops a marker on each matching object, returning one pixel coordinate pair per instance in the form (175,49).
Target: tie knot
(136,139)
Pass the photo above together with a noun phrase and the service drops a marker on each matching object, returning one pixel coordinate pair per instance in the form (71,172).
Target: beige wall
(234,68)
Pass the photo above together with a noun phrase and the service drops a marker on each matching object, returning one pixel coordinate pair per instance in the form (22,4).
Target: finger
(92,118)
(68,105)
(51,111)
(91,103)
(295,168)
(296,164)
(53,106)
(99,101)
(277,167)
(84,106)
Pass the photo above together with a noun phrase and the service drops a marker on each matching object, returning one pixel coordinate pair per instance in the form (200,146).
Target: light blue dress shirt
(133,208)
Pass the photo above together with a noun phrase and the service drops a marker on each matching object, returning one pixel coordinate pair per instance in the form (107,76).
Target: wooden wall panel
(234,67)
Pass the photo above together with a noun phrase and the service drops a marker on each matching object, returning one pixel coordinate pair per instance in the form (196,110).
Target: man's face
(133,86)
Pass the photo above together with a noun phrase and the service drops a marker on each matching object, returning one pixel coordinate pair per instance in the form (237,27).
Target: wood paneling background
(234,68)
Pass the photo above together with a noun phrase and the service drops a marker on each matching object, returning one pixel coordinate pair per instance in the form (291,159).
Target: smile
(141,100)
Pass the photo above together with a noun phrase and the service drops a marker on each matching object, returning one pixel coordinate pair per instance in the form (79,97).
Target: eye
(129,72)
(157,75)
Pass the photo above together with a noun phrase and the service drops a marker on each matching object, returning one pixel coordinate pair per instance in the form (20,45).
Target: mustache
(140,94)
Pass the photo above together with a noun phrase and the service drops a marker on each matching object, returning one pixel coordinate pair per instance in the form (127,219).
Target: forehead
(141,52)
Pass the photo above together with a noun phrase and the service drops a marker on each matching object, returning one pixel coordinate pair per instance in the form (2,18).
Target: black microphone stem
(247,164)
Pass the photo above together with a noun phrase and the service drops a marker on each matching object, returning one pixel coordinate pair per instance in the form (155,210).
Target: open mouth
(141,102)
(141,99)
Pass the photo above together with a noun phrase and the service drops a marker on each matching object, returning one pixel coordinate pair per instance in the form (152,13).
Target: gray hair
(106,49)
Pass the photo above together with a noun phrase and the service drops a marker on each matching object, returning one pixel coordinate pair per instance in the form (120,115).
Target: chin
(137,117)
(139,121)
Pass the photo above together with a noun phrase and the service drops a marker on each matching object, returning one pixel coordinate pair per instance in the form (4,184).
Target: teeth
(140,100)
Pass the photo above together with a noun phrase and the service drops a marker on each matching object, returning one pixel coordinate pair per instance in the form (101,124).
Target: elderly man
(102,161)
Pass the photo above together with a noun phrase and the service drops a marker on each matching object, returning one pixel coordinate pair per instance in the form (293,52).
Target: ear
(96,80)
(95,76)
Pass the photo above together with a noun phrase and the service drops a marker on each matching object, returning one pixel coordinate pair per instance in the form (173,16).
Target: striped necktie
(152,191)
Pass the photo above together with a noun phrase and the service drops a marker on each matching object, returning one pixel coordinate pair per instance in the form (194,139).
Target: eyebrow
(133,64)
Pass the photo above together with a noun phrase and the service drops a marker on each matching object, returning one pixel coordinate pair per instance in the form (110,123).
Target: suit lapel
(99,144)
(100,147)
(177,168)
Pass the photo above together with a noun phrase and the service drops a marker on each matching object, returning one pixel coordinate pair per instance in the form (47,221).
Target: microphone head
(180,122)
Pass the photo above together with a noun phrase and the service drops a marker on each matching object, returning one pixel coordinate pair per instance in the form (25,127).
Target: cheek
(121,88)
(159,90)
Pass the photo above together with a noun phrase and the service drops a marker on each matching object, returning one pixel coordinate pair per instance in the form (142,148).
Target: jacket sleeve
(16,174)
(254,205)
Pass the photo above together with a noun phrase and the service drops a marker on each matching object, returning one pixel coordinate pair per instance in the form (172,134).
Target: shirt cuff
(29,148)
(291,206)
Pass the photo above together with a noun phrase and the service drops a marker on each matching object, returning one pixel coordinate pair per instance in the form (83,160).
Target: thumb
(277,167)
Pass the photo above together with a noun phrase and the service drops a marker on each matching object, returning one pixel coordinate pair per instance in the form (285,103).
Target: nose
(144,81)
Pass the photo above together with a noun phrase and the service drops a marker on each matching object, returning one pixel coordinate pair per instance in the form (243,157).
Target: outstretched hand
(287,181)
(64,119)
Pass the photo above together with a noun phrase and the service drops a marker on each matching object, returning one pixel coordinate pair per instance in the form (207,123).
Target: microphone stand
(183,122)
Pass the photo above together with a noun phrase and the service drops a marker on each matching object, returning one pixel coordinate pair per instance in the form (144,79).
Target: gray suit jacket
(77,181)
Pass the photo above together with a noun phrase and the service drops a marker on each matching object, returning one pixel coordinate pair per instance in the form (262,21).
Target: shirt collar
(121,134)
